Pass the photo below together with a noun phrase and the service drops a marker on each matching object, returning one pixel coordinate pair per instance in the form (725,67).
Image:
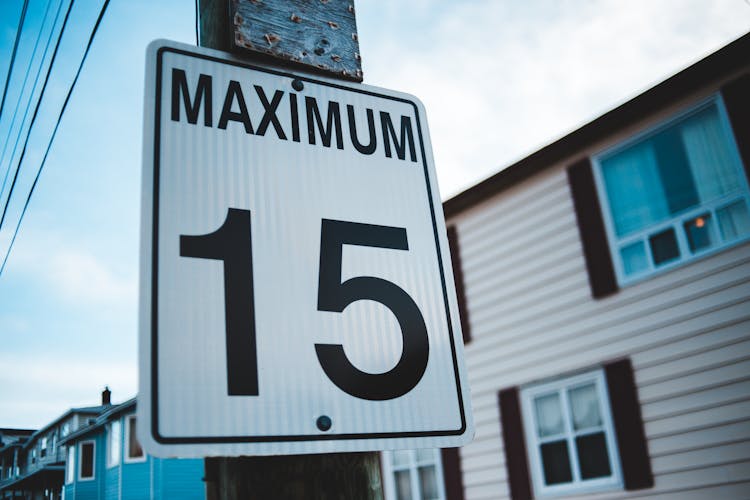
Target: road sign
(296,288)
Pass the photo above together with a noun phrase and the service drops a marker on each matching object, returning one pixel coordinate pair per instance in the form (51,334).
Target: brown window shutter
(736,95)
(458,277)
(631,437)
(591,229)
(516,461)
(452,474)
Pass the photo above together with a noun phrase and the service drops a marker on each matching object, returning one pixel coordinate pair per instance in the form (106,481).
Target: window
(71,465)
(65,429)
(33,455)
(43,452)
(673,193)
(569,435)
(413,475)
(114,443)
(134,452)
(86,462)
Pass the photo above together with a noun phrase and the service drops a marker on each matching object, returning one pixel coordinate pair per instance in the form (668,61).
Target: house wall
(136,479)
(180,478)
(532,317)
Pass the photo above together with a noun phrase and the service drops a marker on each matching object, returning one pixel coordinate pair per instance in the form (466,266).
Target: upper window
(134,452)
(673,193)
(114,443)
(570,437)
(86,460)
(413,475)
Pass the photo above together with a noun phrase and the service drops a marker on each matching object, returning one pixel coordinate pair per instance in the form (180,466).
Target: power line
(36,112)
(13,54)
(54,131)
(31,95)
(197,21)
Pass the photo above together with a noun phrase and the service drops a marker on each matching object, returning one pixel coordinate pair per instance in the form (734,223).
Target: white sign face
(296,287)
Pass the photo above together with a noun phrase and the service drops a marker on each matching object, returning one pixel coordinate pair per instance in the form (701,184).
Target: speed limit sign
(296,288)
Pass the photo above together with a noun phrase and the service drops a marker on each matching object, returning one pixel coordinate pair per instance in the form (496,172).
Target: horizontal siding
(136,479)
(686,331)
(181,478)
(112,483)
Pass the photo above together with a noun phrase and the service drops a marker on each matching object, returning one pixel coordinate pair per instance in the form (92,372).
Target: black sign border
(156,435)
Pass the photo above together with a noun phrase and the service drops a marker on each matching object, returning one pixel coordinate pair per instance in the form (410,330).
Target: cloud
(73,274)
(80,276)
(51,384)
(501,79)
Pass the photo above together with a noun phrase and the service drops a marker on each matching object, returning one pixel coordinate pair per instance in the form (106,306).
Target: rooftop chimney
(106,396)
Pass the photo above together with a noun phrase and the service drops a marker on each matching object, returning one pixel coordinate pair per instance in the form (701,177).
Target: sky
(499,79)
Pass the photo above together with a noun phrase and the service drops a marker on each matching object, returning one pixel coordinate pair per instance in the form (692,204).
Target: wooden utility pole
(305,36)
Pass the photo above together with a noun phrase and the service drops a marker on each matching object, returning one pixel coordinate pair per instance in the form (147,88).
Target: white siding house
(606,284)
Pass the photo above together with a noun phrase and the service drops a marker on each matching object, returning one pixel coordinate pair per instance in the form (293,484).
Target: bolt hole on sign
(296,286)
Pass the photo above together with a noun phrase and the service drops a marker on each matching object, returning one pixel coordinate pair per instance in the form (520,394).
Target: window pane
(428,482)
(134,447)
(556,463)
(634,257)
(592,456)
(87,460)
(698,232)
(115,437)
(664,247)
(71,465)
(634,189)
(674,171)
(708,150)
(403,485)
(548,415)
(401,457)
(734,220)
(584,404)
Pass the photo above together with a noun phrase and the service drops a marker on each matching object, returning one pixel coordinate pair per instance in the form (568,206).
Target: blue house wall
(132,478)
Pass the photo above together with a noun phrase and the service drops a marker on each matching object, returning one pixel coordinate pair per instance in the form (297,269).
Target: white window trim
(113,463)
(93,460)
(126,456)
(389,483)
(541,490)
(686,256)
(70,464)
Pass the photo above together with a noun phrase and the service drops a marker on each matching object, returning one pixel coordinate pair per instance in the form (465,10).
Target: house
(33,461)
(104,460)
(11,444)
(605,288)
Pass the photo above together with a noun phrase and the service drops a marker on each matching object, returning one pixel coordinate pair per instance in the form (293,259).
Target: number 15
(232,244)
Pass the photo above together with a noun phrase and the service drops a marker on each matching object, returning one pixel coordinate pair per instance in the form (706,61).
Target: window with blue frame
(673,193)
(86,454)
(134,451)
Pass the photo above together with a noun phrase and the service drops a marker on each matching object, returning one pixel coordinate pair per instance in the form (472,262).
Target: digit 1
(232,244)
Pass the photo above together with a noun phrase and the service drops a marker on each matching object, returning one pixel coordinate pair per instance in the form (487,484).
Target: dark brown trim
(631,437)
(452,473)
(516,461)
(736,95)
(458,277)
(716,66)
(591,229)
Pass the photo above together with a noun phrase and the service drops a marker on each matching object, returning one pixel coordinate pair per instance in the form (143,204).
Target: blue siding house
(105,461)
